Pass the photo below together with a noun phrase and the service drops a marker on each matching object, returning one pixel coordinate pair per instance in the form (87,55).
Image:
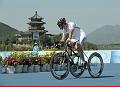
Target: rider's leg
(79,45)
(69,51)
(80,51)
(72,45)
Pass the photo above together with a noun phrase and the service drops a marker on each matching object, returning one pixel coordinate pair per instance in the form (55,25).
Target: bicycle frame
(73,52)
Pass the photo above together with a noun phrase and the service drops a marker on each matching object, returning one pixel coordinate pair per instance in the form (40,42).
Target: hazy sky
(89,14)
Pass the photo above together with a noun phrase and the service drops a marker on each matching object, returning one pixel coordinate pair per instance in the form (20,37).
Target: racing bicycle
(62,63)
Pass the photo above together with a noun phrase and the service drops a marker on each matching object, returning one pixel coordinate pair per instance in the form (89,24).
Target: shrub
(0,58)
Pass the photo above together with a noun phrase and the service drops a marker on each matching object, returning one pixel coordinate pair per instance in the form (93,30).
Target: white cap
(35,43)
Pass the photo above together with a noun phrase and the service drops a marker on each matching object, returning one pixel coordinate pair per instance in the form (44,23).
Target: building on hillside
(24,36)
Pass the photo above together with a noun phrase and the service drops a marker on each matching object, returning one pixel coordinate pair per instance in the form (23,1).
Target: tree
(44,39)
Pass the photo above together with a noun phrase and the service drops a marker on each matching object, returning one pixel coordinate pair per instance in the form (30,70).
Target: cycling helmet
(60,22)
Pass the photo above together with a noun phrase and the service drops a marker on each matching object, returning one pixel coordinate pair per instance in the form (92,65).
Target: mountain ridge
(108,34)
(7,32)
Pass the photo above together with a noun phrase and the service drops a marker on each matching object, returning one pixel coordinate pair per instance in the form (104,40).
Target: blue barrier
(115,56)
(106,54)
(5,54)
(109,56)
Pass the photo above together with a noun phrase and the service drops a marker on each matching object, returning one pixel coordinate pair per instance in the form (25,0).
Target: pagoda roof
(34,22)
(36,30)
(36,16)
(26,32)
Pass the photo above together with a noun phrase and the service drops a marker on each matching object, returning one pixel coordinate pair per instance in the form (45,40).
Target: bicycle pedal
(85,64)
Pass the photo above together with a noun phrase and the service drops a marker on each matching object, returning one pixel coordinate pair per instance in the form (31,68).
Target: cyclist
(76,36)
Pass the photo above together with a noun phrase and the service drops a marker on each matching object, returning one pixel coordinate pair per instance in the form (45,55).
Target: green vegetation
(109,47)
(90,46)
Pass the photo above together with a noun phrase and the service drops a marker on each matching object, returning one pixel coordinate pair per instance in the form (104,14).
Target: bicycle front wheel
(95,65)
(59,66)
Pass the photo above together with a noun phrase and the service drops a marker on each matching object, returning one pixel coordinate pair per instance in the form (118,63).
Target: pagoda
(36,26)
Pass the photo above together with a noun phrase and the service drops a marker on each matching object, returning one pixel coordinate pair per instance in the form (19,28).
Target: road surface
(110,76)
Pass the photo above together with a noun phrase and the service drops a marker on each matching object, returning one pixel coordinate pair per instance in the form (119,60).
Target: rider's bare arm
(70,33)
(63,37)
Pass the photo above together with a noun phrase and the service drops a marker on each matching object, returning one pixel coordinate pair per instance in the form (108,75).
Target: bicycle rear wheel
(95,65)
(76,68)
(59,66)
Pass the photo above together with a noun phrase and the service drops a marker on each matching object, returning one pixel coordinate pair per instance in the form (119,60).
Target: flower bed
(23,62)
(0,64)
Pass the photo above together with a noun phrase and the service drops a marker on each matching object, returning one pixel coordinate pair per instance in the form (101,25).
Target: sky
(88,14)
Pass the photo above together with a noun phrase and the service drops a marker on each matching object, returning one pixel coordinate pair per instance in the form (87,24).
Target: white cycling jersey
(78,34)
